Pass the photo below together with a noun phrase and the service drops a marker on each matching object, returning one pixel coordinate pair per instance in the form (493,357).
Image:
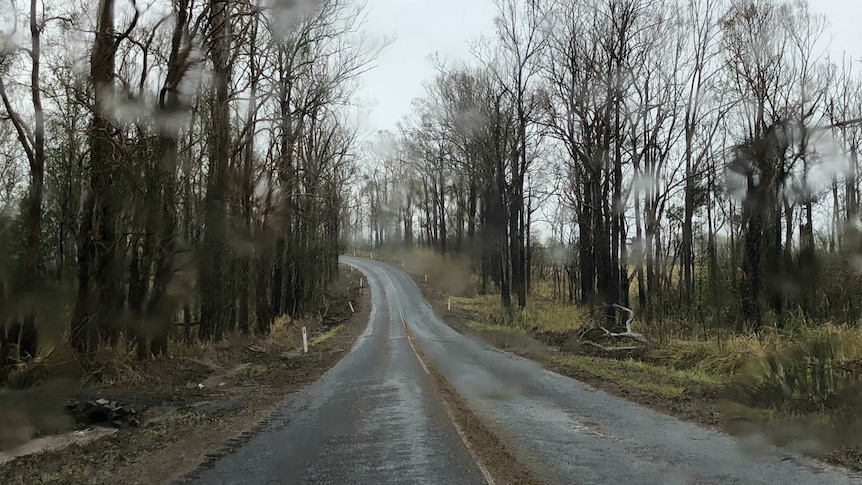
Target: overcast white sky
(424,27)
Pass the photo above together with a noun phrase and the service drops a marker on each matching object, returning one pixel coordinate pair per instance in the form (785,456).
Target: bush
(722,356)
(817,369)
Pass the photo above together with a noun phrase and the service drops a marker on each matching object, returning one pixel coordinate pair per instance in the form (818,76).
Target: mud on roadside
(198,405)
(497,464)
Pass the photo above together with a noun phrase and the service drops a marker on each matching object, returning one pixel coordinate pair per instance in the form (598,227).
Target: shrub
(817,369)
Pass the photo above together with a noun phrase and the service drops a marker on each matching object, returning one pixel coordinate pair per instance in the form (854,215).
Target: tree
(99,296)
(32,142)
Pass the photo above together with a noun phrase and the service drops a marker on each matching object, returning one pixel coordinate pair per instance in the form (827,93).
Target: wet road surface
(374,418)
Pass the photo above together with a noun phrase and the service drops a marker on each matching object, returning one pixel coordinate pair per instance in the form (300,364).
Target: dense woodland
(184,169)
(171,169)
(694,160)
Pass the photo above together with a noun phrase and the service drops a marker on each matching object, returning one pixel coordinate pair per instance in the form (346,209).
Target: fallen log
(604,333)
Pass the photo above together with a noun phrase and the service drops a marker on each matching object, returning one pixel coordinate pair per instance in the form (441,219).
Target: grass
(504,329)
(726,357)
(161,425)
(542,316)
(66,474)
(805,370)
(659,380)
(252,370)
(328,335)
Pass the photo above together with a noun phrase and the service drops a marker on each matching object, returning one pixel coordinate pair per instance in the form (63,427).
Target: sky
(425,27)
(422,28)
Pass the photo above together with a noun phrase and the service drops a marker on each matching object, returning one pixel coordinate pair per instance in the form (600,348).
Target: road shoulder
(497,464)
(211,403)
(649,386)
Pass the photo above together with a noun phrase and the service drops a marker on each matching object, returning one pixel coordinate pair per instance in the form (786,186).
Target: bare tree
(32,140)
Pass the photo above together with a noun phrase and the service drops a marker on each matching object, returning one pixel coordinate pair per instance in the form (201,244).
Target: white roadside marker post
(449,304)
(351,306)
(426,277)
(304,341)
(360,282)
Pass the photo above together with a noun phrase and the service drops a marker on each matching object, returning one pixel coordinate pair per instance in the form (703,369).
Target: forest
(183,170)
(656,203)
(692,161)
(171,171)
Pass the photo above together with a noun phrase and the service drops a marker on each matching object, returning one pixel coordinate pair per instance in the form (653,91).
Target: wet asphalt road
(374,419)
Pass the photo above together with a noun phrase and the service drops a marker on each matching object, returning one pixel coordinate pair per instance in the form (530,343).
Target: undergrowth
(490,327)
(541,316)
(803,368)
(660,380)
(328,335)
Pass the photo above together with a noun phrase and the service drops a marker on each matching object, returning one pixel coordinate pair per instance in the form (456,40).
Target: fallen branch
(629,333)
(613,349)
(603,332)
(183,324)
(255,350)
(334,320)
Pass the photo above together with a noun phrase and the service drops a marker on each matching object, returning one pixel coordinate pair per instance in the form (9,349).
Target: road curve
(374,418)
(567,432)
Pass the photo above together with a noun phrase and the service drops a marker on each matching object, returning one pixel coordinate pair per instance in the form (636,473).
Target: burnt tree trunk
(215,311)
(99,291)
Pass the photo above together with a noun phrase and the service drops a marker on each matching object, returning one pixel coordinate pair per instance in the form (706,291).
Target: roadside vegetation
(798,384)
(664,194)
(175,180)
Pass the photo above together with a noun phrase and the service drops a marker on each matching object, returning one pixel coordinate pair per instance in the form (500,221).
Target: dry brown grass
(811,368)
(450,273)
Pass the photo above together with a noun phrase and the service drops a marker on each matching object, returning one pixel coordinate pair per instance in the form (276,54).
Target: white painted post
(371,256)
(449,304)
(304,340)
(354,253)
(426,277)
(360,282)
(351,306)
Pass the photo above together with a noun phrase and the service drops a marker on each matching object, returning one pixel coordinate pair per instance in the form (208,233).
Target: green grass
(489,328)
(660,380)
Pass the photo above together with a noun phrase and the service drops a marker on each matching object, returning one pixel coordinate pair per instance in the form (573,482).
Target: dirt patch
(495,461)
(197,404)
